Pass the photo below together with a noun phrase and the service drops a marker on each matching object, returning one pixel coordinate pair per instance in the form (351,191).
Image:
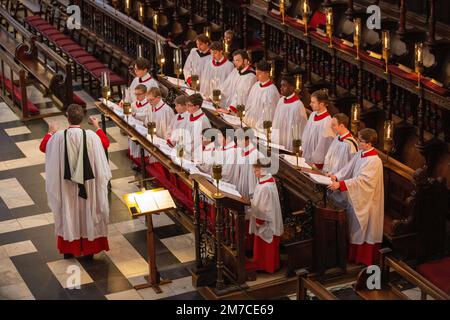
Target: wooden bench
(50,71)
(13,85)
(389,290)
(50,32)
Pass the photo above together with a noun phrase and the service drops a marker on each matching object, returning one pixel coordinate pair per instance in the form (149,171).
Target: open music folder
(149,201)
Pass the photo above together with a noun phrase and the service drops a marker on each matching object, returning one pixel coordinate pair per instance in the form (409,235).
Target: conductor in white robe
(317,135)
(237,86)
(343,147)
(290,111)
(263,96)
(77,175)
(197,58)
(215,71)
(362,180)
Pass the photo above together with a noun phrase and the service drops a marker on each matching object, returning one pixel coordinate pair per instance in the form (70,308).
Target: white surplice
(247,180)
(195,60)
(265,205)
(193,138)
(260,95)
(237,84)
(177,126)
(341,151)
(289,111)
(214,71)
(147,80)
(363,178)
(317,137)
(76,217)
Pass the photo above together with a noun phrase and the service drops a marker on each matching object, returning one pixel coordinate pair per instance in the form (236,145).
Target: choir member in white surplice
(197,58)
(317,135)
(215,72)
(198,121)
(343,147)
(263,93)
(139,110)
(289,111)
(266,222)
(141,70)
(226,155)
(179,121)
(362,180)
(237,86)
(77,175)
(160,113)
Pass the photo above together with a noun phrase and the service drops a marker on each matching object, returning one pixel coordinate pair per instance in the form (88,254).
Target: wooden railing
(305,283)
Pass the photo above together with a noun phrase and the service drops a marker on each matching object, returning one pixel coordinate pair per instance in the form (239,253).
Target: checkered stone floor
(30,265)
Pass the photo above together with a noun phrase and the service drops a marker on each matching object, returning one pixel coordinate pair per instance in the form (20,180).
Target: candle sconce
(217,175)
(388,136)
(357,36)
(386,43)
(151,128)
(195,82)
(178,64)
(298,84)
(306,11)
(160,58)
(329,25)
(296,141)
(106,91)
(418,59)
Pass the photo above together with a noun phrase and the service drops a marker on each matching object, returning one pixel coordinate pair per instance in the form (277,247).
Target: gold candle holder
(305,15)
(282,11)
(195,82)
(178,65)
(267,125)
(180,155)
(226,47)
(151,128)
(241,112)
(217,175)
(386,43)
(418,59)
(355,118)
(357,36)
(388,136)
(127,109)
(216,97)
(272,69)
(296,144)
(329,17)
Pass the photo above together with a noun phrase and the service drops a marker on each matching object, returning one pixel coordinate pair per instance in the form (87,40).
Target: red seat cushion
(30,18)
(8,84)
(31,107)
(437,272)
(58,36)
(86,59)
(45,26)
(49,33)
(78,100)
(72,48)
(115,79)
(64,42)
(79,53)
(94,65)
(38,23)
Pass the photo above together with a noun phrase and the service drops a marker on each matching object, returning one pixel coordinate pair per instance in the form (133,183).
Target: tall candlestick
(386,44)
(357,36)
(418,48)
(329,26)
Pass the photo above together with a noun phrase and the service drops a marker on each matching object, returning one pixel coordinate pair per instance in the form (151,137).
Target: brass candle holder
(226,47)
(388,136)
(386,43)
(241,112)
(216,97)
(355,117)
(329,25)
(195,82)
(126,109)
(151,128)
(160,58)
(180,154)
(357,36)
(305,15)
(296,144)
(217,175)
(418,59)
(282,11)
(267,125)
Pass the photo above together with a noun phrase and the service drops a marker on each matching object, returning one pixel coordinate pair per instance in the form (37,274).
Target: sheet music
(196,171)
(146,202)
(141,129)
(150,201)
(233,120)
(320,179)
(208,105)
(228,188)
(293,161)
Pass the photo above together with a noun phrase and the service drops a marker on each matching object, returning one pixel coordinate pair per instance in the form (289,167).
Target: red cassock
(82,246)
(101,134)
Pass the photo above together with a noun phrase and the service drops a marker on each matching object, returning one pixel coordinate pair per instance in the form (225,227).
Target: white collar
(263,84)
(229,145)
(265,178)
(198,112)
(291,96)
(343,135)
(319,114)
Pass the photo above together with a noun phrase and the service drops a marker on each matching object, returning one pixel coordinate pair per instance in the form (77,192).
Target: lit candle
(357,30)
(141,12)
(127,6)
(329,16)
(419,53)
(140,51)
(305,7)
(298,82)
(155,19)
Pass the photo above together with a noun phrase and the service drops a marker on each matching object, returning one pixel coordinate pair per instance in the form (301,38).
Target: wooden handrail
(305,283)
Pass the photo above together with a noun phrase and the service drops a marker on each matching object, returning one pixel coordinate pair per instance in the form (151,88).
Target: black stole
(88,174)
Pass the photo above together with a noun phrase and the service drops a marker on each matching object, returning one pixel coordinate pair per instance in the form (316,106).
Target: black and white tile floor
(30,265)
